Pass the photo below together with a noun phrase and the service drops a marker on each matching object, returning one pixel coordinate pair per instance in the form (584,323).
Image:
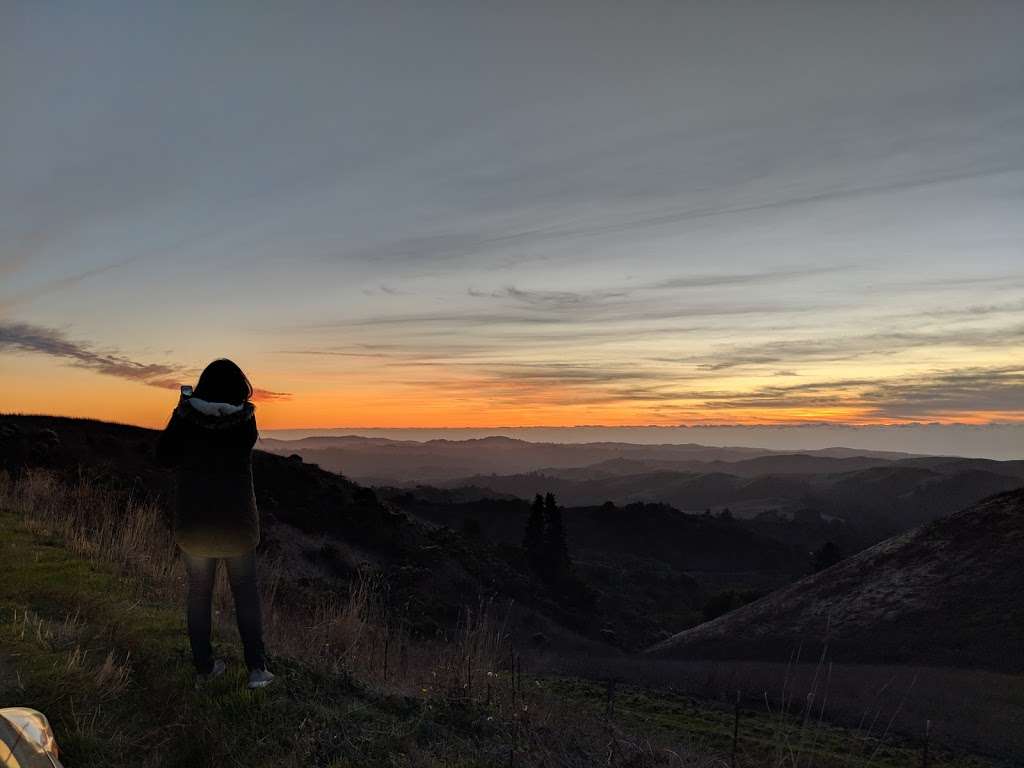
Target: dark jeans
(242,576)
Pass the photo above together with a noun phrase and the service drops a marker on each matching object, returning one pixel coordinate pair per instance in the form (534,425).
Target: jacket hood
(213,415)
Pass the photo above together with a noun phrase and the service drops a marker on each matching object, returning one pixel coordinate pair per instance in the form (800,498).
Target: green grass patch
(110,666)
(60,618)
(764,738)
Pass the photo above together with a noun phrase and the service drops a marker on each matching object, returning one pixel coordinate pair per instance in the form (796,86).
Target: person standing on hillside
(209,440)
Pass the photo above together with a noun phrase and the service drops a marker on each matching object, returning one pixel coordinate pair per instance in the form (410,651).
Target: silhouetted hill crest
(946,593)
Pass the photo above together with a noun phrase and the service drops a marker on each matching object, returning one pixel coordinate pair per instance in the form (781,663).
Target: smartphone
(186,390)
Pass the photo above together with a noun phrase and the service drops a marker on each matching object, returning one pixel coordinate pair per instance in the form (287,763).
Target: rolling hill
(881,499)
(946,593)
(325,530)
(319,528)
(877,493)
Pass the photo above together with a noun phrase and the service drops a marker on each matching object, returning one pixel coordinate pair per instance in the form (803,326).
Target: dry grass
(96,524)
(472,675)
(470,685)
(351,633)
(104,679)
(972,710)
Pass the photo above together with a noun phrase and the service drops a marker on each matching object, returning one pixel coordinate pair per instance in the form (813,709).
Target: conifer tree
(533,539)
(556,551)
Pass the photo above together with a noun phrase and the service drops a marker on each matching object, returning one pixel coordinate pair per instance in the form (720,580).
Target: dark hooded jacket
(210,445)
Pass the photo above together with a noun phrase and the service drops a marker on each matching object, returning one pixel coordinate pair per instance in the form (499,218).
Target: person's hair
(223,382)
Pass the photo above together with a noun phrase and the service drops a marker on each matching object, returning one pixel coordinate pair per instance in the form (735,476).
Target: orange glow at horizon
(130,403)
(271,417)
(43,386)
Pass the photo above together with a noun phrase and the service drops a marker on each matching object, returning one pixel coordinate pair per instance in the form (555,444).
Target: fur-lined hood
(213,415)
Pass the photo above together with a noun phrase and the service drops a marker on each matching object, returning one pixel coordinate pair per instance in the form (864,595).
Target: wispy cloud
(29,338)
(385,289)
(489,237)
(396,353)
(23,337)
(58,284)
(963,390)
(564,311)
(833,349)
(552,300)
(263,395)
(742,278)
(558,389)
(940,394)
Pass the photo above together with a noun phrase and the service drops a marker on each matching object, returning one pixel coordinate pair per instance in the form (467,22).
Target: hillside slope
(98,643)
(947,593)
(327,532)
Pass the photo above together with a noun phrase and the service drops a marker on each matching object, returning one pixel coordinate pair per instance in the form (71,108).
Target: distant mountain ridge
(878,492)
(890,497)
(382,461)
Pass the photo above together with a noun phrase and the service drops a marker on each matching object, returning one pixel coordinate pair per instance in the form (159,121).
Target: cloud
(331,353)
(853,347)
(560,312)
(532,317)
(740,278)
(384,288)
(575,300)
(400,354)
(575,373)
(790,201)
(25,337)
(263,395)
(941,393)
(558,383)
(552,300)
(541,391)
(459,245)
(963,390)
(995,392)
(59,284)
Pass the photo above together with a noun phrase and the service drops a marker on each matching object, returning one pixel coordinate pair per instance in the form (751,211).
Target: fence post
(512,673)
(515,708)
(735,731)
(610,698)
(924,755)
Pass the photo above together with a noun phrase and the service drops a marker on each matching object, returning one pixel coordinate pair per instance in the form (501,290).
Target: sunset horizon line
(679,425)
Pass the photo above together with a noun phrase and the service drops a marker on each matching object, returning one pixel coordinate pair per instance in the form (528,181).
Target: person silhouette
(209,440)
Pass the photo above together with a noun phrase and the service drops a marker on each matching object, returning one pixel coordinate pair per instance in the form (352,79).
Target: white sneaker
(203,678)
(259,678)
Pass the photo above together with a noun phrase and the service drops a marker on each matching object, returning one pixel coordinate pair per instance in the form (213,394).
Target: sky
(470,214)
